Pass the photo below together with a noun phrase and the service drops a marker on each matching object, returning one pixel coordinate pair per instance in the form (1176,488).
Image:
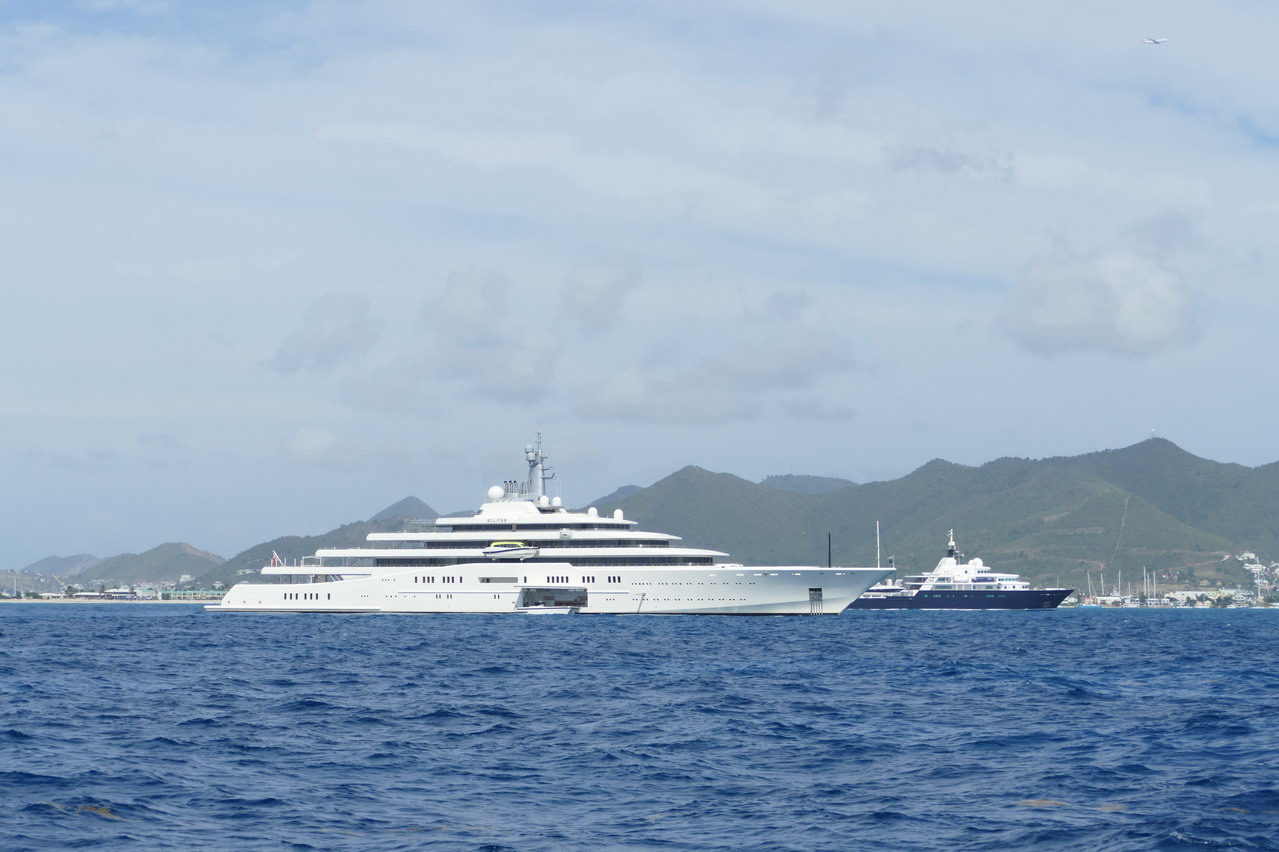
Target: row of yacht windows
(557,543)
(600,561)
(305,596)
(556,578)
(963,586)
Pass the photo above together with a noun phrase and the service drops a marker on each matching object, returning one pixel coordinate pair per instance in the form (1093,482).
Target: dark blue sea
(134,726)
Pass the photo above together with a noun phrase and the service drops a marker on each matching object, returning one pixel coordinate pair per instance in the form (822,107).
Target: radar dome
(496,492)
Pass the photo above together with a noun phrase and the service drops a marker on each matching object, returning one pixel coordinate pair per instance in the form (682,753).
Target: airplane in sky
(1154,40)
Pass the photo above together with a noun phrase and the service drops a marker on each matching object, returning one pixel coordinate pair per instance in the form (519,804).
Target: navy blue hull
(961,599)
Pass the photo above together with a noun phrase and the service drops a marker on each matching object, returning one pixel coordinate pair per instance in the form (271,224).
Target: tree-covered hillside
(1058,520)
(1150,506)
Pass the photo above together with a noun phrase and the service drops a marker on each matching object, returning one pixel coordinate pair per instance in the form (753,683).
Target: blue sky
(271,267)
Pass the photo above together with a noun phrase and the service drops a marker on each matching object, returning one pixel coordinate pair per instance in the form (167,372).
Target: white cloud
(473,304)
(648,395)
(907,157)
(142,7)
(593,296)
(490,340)
(319,446)
(816,408)
(408,385)
(1167,232)
(786,306)
(334,330)
(612,174)
(1119,301)
(161,441)
(739,382)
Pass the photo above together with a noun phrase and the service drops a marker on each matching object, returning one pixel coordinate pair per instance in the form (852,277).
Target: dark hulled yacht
(956,584)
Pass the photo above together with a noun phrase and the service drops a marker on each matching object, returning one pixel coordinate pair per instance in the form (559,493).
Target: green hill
(167,563)
(294,547)
(1055,521)
(1150,506)
(806,484)
(63,566)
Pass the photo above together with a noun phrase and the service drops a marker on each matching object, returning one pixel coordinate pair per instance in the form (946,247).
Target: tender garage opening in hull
(550,596)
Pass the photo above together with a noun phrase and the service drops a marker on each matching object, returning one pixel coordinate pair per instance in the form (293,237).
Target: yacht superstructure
(522,551)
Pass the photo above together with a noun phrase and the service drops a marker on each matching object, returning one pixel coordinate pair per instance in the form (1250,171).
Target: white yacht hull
(711,590)
(567,562)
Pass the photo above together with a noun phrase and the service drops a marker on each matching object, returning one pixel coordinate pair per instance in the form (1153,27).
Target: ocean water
(166,727)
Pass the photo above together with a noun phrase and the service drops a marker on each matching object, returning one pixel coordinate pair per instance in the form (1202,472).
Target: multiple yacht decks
(522,551)
(956,584)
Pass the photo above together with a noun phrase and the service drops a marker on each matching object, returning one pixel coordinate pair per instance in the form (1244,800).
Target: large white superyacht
(522,551)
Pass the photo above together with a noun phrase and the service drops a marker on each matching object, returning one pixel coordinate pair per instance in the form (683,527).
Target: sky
(270,267)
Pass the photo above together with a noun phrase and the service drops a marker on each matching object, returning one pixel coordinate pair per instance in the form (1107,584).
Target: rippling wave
(166,727)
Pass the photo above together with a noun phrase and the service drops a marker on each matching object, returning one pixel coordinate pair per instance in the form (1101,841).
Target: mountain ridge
(1052,520)
(1063,519)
